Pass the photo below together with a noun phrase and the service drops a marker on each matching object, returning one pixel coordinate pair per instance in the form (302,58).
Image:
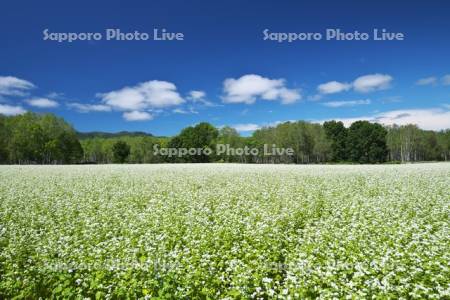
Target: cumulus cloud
(10,110)
(332,87)
(196,95)
(137,102)
(137,116)
(42,103)
(85,108)
(428,119)
(246,127)
(150,94)
(372,82)
(13,86)
(350,103)
(248,88)
(362,84)
(427,81)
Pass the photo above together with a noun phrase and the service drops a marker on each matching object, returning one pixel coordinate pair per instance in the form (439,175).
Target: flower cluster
(223,231)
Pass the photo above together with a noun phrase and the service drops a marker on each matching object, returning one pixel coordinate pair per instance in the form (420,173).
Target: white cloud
(196,95)
(190,110)
(85,108)
(446,79)
(350,103)
(137,116)
(150,94)
(427,81)
(333,87)
(372,82)
(199,97)
(246,127)
(13,86)
(428,119)
(42,103)
(9,110)
(348,121)
(362,84)
(289,96)
(433,80)
(248,88)
(252,126)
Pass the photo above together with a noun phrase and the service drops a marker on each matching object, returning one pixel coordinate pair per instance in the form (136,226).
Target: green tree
(69,147)
(121,151)
(27,140)
(201,136)
(3,140)
(175,143)
(322,145)
(37,138)
(443,138)
(366,142)
(229,136)
(62,145)
(337,134)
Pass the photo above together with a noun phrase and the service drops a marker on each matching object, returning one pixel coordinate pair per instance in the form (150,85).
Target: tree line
(46,139)
(38,139)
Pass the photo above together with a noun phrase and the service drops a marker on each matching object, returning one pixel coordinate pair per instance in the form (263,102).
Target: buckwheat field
(223,231)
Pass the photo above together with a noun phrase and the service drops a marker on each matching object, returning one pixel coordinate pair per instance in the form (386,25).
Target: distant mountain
(100,134)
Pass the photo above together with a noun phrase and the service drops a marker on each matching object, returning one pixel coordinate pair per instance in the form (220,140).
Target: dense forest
(40,139)
(46,139)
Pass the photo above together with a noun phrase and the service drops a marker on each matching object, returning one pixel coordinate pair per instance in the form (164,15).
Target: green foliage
(34,138)
(201,136)
(120,134)
(409,143)
(229,136)
(99,150)
(366,142)
(3,140)
(308,141)
(46,139)
(121,151)
(337,134)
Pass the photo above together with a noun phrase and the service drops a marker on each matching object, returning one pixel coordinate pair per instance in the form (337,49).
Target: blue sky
(224,72)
